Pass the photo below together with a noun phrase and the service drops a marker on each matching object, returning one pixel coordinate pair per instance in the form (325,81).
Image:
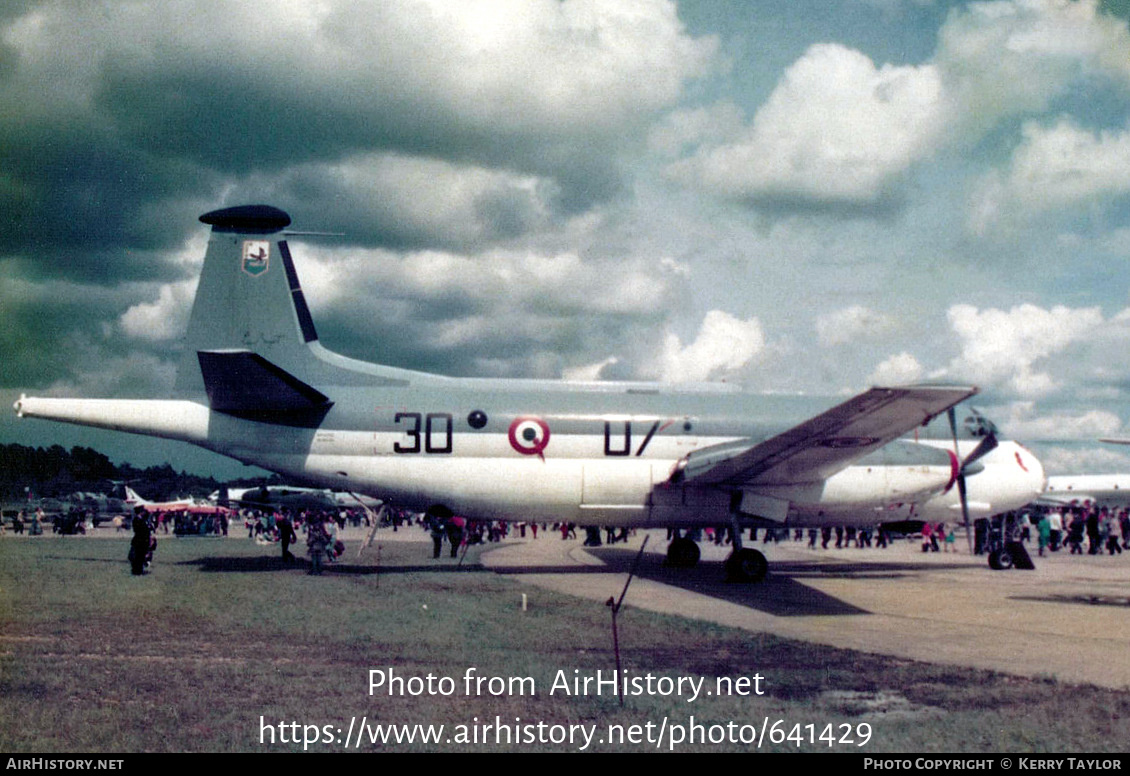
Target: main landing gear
(682,553)
(743,565)
(746,565)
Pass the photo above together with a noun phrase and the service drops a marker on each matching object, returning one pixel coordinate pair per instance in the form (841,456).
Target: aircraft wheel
(746,565)
(999,560)
(682,553)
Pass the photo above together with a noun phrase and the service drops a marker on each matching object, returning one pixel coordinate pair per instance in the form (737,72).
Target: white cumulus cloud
(1025,422)
(514,65)
(1003,347)
(1073,459)
(1010,57)
(589,372)
(836,128)
(851,323)
(724,345)
(1053,168)
(839,128)
(163,319)
(899,369)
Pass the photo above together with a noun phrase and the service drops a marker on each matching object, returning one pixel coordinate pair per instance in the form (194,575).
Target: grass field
(222,638)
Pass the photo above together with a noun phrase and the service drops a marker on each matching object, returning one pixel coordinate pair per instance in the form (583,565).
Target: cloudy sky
(813,196)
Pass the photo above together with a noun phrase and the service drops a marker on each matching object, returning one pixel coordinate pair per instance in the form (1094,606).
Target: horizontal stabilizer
(241,382)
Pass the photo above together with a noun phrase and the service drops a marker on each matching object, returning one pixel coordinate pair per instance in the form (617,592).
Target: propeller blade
(951,413)
(965,509)
(984,447)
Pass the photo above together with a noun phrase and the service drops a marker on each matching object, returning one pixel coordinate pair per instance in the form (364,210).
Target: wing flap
(821,446)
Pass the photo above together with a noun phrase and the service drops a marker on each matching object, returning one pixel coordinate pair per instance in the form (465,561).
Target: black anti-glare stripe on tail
(241,381)
(309,334)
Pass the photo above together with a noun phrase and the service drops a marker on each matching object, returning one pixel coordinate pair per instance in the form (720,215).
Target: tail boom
(184,421)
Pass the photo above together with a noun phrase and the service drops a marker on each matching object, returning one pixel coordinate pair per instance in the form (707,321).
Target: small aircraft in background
(1104,490)
(133,500)
(98,504)
(254,383)
(1077,490)
(292,497)
(98,507)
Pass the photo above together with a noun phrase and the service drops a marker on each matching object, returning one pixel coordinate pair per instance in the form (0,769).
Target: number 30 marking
(437,432)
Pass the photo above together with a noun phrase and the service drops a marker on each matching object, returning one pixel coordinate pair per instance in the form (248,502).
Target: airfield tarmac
(1068,619)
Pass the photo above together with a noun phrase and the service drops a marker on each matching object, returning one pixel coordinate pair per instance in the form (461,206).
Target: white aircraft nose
(1033,476)
(1013,477)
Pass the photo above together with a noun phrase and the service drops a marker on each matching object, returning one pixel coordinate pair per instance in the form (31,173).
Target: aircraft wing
(1065,499)
(818,448)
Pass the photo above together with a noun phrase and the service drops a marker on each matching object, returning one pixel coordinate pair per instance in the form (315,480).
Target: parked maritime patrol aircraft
(292,497)
(254,383)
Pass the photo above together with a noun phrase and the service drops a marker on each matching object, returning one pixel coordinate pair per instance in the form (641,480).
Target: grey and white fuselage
(609,459)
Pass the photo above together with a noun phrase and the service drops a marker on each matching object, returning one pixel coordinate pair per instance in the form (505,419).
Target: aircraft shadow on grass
(782,593)
(272,563)
(778,594)
(72,558)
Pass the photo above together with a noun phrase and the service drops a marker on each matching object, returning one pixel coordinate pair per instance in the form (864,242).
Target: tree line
(55,472)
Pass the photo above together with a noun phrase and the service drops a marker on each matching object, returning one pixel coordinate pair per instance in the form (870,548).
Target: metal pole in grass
(463,554)
(375,519)
(615,605)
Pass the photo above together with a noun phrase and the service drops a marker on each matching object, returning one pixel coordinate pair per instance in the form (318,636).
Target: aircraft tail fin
(248,298)
(249,303)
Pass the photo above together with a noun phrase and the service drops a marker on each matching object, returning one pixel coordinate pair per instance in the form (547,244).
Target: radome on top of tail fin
(254,383)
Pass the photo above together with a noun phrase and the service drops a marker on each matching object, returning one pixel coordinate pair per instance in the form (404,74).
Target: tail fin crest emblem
(256,256)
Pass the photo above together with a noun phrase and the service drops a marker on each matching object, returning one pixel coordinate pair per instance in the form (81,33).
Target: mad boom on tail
(255,384)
